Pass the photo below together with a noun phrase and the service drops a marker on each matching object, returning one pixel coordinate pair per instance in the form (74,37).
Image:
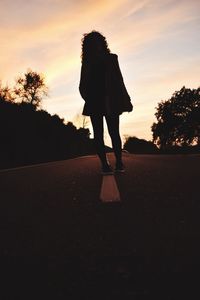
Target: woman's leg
(97,124)
(113,129)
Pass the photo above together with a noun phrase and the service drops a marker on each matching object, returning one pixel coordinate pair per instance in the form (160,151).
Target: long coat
(108,95)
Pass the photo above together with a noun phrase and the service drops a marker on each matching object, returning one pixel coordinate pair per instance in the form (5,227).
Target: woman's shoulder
(114,55)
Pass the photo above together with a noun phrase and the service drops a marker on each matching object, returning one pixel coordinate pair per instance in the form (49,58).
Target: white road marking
(109,189)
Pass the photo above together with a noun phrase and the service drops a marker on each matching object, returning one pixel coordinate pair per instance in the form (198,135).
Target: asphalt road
(53,223)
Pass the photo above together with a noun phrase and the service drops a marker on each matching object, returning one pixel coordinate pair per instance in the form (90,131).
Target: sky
(157,43)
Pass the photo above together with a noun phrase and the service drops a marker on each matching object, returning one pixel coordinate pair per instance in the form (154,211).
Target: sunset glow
(157,43)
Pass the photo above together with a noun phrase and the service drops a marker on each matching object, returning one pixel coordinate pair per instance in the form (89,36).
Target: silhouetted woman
(102,87)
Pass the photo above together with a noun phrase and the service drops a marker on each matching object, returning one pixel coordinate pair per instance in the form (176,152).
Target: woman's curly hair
(89,46)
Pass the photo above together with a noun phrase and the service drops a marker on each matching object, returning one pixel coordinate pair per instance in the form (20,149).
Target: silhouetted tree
(178,120)
(30,136)
(31,88)
(5,93)
(135,145)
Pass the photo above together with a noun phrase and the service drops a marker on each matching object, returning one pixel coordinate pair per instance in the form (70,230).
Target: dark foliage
(178,120)
(180,150)
(28,136)
(135,145)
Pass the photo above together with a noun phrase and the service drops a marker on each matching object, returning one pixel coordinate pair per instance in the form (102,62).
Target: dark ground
(59,241)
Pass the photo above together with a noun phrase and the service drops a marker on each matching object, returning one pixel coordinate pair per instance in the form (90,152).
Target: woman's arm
(121,81)
(119,73)
(84,80)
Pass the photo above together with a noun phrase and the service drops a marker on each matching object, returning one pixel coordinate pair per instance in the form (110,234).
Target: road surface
(145,245)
